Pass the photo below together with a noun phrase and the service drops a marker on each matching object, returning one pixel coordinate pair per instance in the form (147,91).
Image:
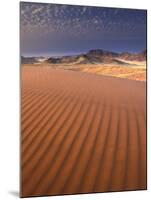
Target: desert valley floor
(81,132)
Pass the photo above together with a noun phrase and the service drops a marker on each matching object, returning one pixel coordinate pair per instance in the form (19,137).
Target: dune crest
(81,132)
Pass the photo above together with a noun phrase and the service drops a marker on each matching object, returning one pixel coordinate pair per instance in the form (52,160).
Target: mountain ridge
(93,56)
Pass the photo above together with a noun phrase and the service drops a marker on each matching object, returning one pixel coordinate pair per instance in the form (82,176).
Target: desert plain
(83,128)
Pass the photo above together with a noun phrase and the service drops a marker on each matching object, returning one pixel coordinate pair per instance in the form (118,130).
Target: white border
(9,99)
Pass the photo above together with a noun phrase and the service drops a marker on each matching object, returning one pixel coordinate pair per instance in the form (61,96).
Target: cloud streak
(46,22)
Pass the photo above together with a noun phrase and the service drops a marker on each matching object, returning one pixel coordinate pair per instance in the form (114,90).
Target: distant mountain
(142,56)
(101,52)
(95,56)
(27,60)
(32,60)
(102,56)
(92,57)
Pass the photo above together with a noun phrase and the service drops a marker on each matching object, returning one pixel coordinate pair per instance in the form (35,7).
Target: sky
(57,30)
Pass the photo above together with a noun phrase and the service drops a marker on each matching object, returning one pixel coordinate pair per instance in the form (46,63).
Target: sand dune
(81,132)
(132,71)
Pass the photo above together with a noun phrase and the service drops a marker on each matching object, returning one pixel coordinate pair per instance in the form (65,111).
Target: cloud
(34,11)
(40,22)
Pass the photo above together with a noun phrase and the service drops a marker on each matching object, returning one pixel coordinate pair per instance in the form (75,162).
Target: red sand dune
(81,133)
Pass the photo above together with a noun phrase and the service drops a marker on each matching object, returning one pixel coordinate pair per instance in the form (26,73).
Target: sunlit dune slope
(81,132)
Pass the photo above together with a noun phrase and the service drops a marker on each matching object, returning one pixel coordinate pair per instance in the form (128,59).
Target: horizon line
(79,53)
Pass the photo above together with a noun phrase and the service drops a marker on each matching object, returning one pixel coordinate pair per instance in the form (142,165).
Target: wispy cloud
(45,21)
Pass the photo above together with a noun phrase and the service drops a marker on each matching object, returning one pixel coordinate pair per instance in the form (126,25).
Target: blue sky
(55,30)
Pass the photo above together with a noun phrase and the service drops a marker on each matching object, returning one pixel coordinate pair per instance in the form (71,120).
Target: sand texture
(81,132)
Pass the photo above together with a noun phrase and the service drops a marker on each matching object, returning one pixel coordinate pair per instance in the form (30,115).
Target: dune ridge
(81,133)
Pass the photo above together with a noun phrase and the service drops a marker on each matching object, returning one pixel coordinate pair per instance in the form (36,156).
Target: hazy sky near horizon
(55,30)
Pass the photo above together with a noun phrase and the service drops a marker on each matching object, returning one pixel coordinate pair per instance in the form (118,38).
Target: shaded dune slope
(81,133)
